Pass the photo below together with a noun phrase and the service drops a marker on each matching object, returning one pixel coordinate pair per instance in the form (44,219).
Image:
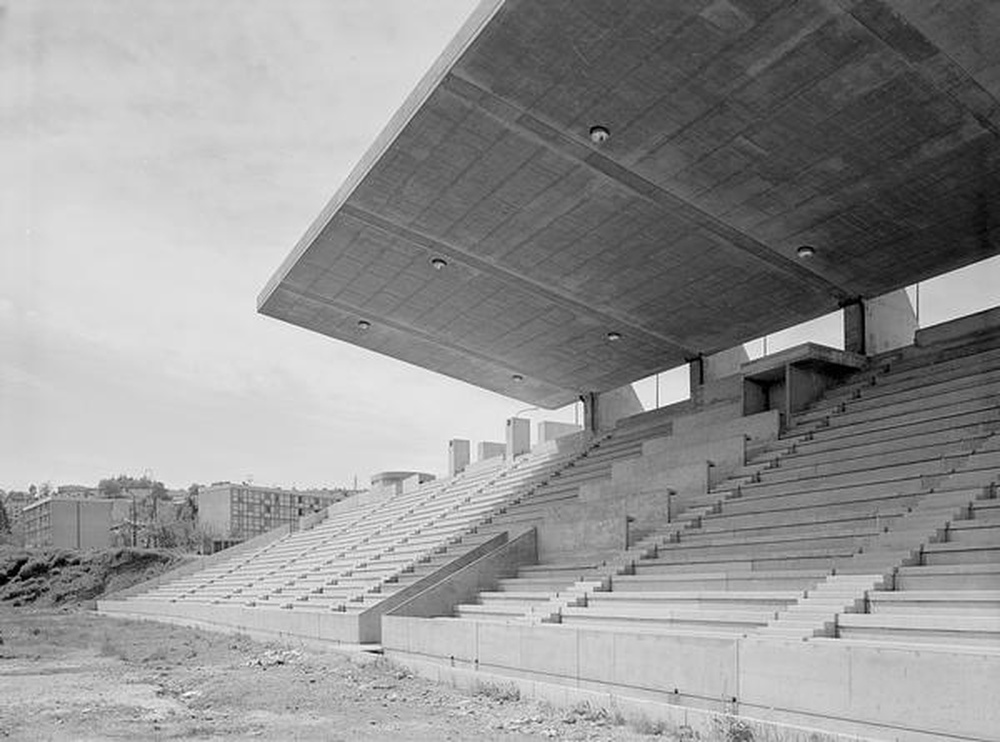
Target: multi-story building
(68,523)
(242,511)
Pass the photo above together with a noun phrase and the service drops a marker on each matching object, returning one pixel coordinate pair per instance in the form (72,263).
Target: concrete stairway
(346,562)
(951,595)
(814,523)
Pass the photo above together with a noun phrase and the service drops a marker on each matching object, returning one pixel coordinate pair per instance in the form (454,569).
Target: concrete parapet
(486,450)
(549,430)
(984,322)
(668,462)
(896,689)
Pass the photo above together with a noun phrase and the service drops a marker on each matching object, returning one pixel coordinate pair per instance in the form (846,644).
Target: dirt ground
(69,674)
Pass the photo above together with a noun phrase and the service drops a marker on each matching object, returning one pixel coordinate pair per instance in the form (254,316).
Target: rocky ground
(69,674)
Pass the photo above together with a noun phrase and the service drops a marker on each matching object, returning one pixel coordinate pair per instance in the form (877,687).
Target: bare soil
(69,674)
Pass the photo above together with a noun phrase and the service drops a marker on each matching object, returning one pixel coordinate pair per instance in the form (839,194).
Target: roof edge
(480,17)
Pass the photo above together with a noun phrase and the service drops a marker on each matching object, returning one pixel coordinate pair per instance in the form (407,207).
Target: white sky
(158,160)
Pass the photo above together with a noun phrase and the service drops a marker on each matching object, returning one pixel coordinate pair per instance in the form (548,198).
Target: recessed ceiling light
(599,134)
(614,337)
(438,263)
(363,324)
(805,251)
(517,377)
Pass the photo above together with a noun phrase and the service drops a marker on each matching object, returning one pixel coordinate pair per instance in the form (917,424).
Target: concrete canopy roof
(740,130)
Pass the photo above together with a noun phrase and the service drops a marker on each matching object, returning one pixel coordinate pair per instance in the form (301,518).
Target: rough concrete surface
(68,674)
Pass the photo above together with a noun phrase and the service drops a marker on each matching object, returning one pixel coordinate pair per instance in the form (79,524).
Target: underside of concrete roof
(739,131)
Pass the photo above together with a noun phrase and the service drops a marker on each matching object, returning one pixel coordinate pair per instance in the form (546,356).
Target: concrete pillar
(489,450)
(602,410)
(890,322)
(879,324)
(518,436)
(589,401)
(696,372)
(854,327)
(723,364)
(716,378)
(549,430)
(458,455)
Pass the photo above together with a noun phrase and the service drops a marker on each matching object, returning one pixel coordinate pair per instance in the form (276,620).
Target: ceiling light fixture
(364,324)
(805,251)
(599,134)
(614,337)
(438,263)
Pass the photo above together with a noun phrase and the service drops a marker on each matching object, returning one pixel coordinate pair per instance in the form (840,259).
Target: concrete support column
(602,410)
(458,455)
(854,327)
(589,411)
(696,372)
(890,322)
(518,436)
(879,324)
(715,378)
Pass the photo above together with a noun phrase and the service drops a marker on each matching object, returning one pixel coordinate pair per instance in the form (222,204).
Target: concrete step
(744,581)
(911,629)
(949,577)
(950,553)
(936,602)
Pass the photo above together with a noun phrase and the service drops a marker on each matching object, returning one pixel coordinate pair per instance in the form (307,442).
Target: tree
(4,518)
(109,487)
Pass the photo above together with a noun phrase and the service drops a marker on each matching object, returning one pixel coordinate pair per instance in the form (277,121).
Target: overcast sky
(158,160)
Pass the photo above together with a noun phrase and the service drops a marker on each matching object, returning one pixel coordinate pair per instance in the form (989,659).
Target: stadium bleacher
(870,522)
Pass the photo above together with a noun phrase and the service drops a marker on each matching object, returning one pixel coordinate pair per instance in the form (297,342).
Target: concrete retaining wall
(881,691)
(326,626)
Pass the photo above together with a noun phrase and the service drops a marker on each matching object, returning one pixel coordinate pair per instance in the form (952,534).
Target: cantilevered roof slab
(739,131)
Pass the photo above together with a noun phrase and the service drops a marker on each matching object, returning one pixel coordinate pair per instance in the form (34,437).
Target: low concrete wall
(324,626)
(682,466)
(757,428)
(645,495)
(950,692)
(885,691)
(694,670)
(579,527)
(684,722)
(981,322)
(462,585)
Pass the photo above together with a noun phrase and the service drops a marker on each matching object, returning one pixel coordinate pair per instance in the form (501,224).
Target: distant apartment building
(243,511)
(67,523)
